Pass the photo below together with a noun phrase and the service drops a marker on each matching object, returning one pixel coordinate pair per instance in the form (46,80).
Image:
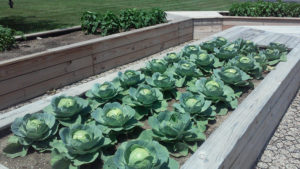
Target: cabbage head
(248,64)
(130,78)
(172,57)
(35,130)
(194,104)
(79,144)
(186,68)
(116,117)
(281,47)
(157,65)
(274,56)
(232,75)
(141,154)
(68,110)
(176,130)
(227,52)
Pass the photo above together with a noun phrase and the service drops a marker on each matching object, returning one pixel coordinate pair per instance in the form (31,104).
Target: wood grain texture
(24,73)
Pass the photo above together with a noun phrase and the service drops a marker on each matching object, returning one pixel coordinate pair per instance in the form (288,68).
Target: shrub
(7,39)
(265,9)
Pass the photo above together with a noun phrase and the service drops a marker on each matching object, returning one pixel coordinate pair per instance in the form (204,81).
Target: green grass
(37,15)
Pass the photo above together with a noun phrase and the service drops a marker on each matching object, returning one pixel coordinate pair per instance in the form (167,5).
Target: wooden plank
(106,65)
(227,143)
(40,88)
(268,39)
(267,128)
(132,47)
(138,36)
(41,61)
(182,39)
(26,80)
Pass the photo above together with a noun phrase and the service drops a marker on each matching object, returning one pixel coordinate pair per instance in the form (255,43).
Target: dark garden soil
(35,160)
(39,45)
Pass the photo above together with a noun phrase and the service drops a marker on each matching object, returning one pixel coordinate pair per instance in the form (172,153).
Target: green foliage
(194,104)
(172,58)
(141,154)
(274,56)
(157,65)
(7,39)
(130,78)
(35,130)
(110,23)
(68,110)
(176,130)
(79,144)
(115,117)
(232,75)
(102,93)
(262,8)
(90,22)
(248,64)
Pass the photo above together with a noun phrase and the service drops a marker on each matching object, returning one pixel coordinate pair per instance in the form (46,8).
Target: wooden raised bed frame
(237,143)
(29,76)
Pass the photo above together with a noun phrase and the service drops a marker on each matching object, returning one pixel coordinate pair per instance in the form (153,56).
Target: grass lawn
(37,15)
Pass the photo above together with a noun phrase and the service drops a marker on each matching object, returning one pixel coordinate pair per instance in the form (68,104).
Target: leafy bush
(7,39)
(262,8)
(110,23)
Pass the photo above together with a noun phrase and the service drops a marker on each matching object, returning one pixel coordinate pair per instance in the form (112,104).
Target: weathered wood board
(57,67)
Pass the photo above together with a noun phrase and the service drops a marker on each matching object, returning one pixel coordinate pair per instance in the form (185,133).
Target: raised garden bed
(31,75)
(213,153)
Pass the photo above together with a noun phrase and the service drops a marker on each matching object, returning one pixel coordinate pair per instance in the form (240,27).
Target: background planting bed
(28,76)
(241,137)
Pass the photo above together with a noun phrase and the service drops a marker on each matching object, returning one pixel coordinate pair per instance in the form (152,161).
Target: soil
(35,160)
(41,44)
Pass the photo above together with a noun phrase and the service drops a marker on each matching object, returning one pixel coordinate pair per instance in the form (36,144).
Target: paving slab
(283,150)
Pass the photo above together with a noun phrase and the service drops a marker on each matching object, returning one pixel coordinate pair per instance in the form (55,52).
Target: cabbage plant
(157,65)
(115,117)
(35,130)
(248,64)
(176,131)
(220,41)
(281,47)
(141,154)
(261,59)
(227,52)
(215,90)
(195,105)
(130,78)
(145,99)
(172,57)
(102,93)
(246,46)
(185,68)
(165,81)
(206,62)
(189,50)
(79,144)
(274,56)
(208,46)
(232,75)
(68,110)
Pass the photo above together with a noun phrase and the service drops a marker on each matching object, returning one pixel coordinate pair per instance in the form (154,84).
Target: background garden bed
(28,76)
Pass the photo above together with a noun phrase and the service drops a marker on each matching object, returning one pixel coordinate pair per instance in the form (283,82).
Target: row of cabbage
(203,80)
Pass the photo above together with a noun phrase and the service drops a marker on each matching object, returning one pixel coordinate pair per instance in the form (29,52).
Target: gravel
(283,150)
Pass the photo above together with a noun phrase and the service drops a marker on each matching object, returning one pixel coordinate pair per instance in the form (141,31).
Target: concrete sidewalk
(283,150)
